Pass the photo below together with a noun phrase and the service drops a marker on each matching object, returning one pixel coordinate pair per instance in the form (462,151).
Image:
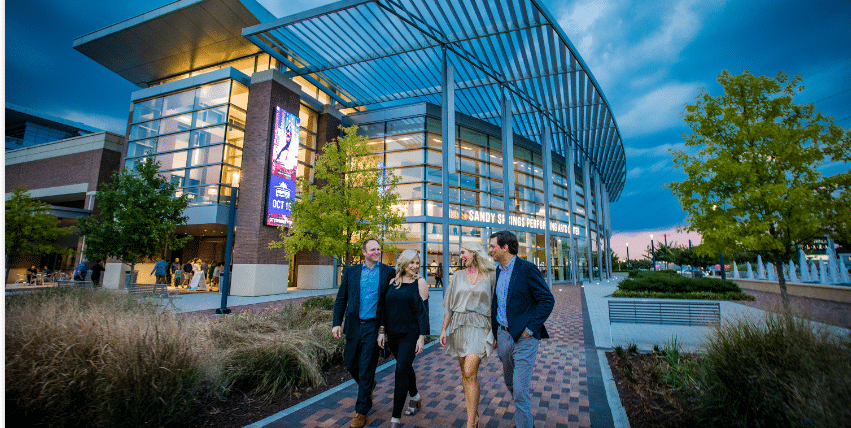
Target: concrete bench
(152,291)
(663,312)
(74,284)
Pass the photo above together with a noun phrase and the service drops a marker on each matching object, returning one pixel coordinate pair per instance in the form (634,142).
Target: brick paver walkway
(567,389)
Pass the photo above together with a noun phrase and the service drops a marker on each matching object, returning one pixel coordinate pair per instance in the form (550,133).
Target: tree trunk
(781,280)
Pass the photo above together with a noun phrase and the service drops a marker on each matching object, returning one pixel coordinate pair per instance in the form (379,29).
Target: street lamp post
(653,251)
(627,255)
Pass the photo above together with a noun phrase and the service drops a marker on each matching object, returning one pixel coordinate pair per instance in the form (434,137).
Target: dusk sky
(650,59)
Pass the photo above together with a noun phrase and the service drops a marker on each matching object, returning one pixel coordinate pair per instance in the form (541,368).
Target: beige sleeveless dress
(469,307)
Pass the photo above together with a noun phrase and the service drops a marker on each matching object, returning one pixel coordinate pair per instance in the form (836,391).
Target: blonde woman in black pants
(403,327)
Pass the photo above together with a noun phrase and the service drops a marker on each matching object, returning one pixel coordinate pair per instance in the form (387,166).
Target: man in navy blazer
(360,299)
(521,304)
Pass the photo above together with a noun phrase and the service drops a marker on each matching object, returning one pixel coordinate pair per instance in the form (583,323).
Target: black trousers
(403,347)
(361,359)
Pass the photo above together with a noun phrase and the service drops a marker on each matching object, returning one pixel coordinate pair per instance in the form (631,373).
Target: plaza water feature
(750,271)
(805,271)
(760,268)
(735,271)
(792,276)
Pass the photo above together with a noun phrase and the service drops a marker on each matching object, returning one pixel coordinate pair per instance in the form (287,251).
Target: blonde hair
(402,263)
(481,260)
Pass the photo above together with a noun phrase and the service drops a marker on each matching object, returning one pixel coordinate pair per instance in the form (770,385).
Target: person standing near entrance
(97,270)
(521,304)
(176,268)
(160,270)
(360,299)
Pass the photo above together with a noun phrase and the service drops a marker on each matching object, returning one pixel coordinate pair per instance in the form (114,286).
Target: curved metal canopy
(379,52)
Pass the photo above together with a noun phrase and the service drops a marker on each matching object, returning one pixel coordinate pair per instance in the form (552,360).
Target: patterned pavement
(567,389)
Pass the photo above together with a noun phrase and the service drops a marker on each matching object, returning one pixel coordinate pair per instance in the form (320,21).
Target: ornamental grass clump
(274,351)
(778,371)
(96,358)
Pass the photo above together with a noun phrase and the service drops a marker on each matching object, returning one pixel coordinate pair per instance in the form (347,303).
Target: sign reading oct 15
(283,166)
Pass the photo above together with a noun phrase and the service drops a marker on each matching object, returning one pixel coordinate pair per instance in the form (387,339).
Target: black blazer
(347,304)
(529,301)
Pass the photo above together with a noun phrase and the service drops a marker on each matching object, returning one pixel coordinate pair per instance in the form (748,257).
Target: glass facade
(411,148)
(197,136)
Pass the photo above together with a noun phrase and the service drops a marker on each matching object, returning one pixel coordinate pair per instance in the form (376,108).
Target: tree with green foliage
(139,213)
(753,162)
(353,198)
(31,230)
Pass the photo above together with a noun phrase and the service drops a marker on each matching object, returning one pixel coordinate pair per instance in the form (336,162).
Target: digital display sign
(283,166)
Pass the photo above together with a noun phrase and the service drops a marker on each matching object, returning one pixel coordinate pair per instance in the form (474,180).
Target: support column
(507,155)
(546,150)
(608,229)
(448,136)
(257,270)
(586,182)
(571,187)
(600,220)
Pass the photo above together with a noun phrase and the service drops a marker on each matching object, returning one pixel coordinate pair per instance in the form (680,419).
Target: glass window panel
(214,95)
(308,118)
(148,110)
(376,145)
(207,136)
(406,125)
(404,142)
(174,124)
(236,136)
(434,158)
(469,197)
(307,139)
(305,155)
(433,125)
(174,177)
(245,65)
(468,182)
(233,156)
(173,160)
(409,175)
(178,103)
(434,192)
(141,147)
(262,62)
(230,176)
(434,175)
(496,203)
(213,116)
(397,159)
(207,155)
(144,130)
(371,129)
(239,95)
(236,117)
(474,137)
(434,141)
(173,142)
(410,191)
(305,171)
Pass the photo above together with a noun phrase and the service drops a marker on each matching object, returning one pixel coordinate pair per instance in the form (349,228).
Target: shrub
(779,371)
(321,302)
(667,282)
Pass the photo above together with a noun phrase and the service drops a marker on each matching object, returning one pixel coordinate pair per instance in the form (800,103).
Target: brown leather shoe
(358,421)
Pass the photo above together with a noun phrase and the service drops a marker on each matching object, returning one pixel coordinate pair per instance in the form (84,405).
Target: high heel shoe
(413,407)
(474,424)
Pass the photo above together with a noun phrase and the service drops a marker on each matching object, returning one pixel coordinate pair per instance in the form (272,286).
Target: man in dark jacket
(521,303)
(360,300)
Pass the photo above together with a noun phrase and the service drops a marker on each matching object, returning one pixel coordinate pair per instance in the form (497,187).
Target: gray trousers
(518,362)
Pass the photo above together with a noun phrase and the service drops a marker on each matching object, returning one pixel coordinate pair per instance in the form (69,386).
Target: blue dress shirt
(368,292)
(502,291)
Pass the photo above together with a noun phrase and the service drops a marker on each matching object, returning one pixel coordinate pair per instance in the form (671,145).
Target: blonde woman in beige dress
(466,332)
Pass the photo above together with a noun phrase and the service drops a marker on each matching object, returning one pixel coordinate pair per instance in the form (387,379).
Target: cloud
(657,110)
(660,150)
(100,121)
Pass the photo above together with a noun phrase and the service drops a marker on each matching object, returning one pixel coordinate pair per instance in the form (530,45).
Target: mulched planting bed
(648,402)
